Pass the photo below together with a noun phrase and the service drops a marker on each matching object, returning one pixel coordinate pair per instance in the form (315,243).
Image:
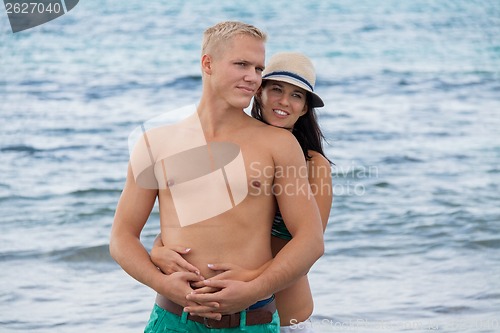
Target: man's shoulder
(268,132)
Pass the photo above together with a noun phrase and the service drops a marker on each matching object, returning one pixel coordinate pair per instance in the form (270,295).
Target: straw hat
(294,68)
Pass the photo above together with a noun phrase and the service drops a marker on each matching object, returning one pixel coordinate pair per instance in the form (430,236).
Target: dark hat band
(293,75)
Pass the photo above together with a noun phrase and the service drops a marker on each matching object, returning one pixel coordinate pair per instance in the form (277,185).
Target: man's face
(237,70)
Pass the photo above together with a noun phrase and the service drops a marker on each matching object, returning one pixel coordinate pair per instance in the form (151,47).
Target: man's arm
(132,212)
(320,179)
(302,218)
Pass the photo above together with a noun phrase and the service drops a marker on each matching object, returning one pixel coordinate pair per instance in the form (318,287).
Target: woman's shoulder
(319,168)
(271,132)
(317,158)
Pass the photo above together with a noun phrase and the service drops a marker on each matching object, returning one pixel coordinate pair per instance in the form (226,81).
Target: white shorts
(303,327)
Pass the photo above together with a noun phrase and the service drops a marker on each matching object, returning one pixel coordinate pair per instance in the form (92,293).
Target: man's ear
(206,64)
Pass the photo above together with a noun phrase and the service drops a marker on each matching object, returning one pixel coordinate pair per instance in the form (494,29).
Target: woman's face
(282,103)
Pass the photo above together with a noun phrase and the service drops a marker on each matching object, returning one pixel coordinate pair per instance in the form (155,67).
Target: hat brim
(317,102)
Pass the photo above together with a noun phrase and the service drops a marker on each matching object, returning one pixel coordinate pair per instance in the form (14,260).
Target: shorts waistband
(257,314)
(261,303)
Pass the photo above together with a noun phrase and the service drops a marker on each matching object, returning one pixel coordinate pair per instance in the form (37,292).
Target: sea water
(412,94)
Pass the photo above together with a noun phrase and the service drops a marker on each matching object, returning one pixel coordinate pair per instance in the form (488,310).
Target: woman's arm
(320,179)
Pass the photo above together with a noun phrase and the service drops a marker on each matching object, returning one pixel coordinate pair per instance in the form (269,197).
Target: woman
(286,99)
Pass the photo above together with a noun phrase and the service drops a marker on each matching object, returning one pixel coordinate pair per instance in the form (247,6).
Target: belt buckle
(206,323)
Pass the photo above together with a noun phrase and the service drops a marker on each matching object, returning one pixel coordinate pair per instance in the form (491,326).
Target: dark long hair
(306,129)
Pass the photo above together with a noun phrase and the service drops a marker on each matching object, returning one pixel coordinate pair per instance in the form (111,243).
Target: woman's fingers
(221,267)
(170,259)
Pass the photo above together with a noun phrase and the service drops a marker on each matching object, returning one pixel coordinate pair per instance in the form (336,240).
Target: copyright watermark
(354,171)
(346,181)
(27,14)
(349,180)
(396,325)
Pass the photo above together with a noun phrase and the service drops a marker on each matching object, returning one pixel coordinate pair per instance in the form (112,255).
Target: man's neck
(217,119)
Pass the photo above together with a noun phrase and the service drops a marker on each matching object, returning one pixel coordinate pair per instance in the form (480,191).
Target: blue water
(412,94)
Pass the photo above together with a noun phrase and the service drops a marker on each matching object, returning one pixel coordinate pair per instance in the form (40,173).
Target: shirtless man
(243,165)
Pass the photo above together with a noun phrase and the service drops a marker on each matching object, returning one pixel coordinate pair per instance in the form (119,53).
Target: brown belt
(262,315)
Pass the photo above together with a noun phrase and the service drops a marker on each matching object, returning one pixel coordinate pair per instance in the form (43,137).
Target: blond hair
(224,31)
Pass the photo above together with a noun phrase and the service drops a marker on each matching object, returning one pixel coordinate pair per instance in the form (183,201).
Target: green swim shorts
(166,322)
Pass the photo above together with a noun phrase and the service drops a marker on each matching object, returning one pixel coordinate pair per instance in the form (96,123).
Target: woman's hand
(169,259)
(233,296)
(176,287)
(227,271)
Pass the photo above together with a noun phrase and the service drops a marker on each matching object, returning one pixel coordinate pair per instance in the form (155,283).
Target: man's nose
(253,75)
